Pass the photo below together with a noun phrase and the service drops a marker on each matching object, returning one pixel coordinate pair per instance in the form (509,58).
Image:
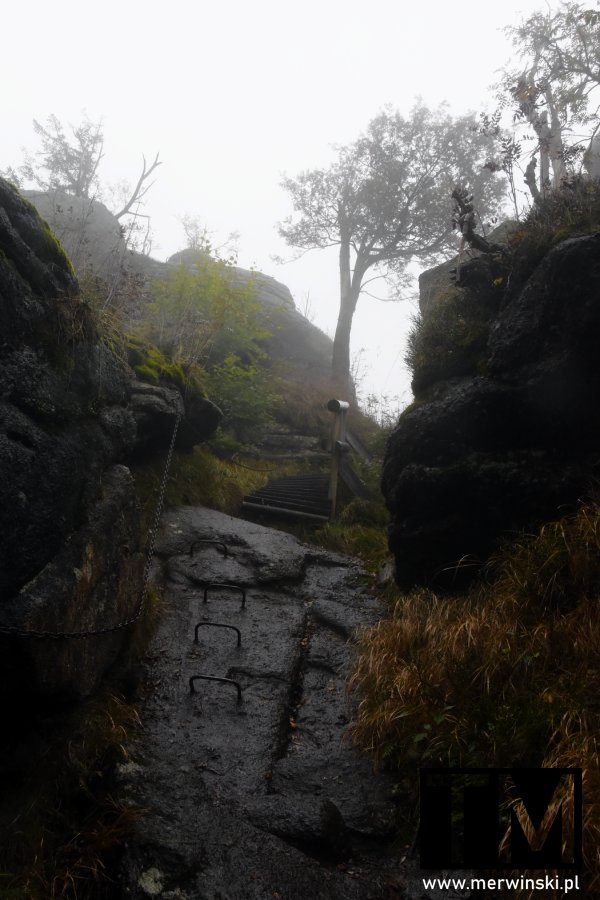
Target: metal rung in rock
(229,587)
(218,625)
(214,678)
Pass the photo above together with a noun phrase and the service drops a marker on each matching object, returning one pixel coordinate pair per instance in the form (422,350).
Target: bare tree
(70,163)
(141,188)
(556,92)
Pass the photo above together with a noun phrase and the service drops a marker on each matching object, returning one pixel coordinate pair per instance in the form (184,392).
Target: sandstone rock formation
(301,349)
(93,238)
(70,557)
(265,785)
(514,441)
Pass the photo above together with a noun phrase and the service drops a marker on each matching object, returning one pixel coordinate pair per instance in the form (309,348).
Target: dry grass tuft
(506,675)
(66,829)
(554,569)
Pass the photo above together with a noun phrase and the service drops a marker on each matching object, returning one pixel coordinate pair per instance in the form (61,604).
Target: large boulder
(96,244)
(57,378)
(70,557)
(64,424)
(512,444)
(92,236)
(157,410)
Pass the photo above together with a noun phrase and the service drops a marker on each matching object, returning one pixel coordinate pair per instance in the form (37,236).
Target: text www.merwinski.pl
(548,883)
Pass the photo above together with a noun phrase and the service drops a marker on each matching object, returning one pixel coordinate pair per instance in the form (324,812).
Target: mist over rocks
(512,443)
(93,238)
(301,350)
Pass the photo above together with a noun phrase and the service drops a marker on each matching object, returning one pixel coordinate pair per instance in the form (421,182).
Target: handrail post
(338,440)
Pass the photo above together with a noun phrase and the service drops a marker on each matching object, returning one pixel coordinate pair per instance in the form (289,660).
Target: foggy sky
(235,94)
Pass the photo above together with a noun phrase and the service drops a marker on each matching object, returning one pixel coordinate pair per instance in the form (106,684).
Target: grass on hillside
(504,675)
(569,212)
(199,479)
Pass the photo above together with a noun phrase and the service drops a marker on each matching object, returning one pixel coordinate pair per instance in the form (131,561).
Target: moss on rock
(41,237)
(152,366)
(450,338)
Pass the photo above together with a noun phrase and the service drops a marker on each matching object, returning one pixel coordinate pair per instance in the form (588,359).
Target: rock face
(242,799)
(93,238)
(513,443)
(301,349)
(156,409)
(90,234)
(69,556)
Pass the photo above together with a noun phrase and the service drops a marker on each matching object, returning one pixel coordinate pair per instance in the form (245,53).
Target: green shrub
(202,314)
(199,478)
(450,338)
(204,320)
(151,365)
(246,395)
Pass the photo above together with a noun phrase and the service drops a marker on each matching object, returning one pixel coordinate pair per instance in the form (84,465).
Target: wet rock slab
(255,554)
(263,798)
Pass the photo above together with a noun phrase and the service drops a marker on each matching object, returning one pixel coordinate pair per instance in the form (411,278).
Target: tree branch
(140,189)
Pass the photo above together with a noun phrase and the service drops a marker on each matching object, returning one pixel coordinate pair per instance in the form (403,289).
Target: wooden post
(338,440)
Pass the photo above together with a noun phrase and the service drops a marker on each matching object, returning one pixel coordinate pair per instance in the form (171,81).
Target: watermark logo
(501,818)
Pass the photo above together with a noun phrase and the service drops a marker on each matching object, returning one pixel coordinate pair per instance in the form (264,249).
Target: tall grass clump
(450,338)
(572,211)
(200,478)
(505,675)
(366,541)
(62,827)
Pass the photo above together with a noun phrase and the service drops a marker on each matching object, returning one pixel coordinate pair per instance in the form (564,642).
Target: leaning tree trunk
(341,350)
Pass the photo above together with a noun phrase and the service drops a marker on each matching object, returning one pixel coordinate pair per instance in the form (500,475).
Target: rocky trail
(263,798)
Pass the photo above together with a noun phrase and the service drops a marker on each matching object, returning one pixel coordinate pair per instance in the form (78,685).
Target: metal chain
(14,631)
